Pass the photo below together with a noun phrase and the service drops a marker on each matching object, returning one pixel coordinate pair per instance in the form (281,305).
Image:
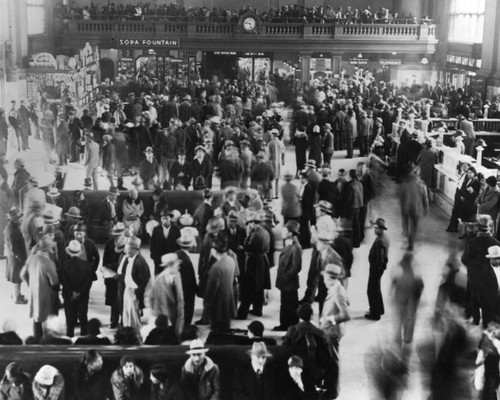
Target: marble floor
(433,248)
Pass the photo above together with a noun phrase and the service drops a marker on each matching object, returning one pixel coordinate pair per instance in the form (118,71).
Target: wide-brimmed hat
(295,361)
(166,213)
(187,239)
(120,244)
(14,214)
(118,229)
(214,225)
(253,216)
(169,260)
(73,212)
(325,237)
(293,226)
(380,223)
(459,133)
(259,349)
(196,346)
(332,270)
(45,375)
(74,248)
(53,192)
(480,142)
(80,227)
(113,190)
(200,147)
(48,216)
(325,206)
(493,252)
(149,149)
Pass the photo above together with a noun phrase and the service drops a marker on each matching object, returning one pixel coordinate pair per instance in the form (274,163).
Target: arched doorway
(107,69)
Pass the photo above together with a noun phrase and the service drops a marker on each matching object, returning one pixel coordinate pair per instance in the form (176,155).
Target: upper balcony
(266,36)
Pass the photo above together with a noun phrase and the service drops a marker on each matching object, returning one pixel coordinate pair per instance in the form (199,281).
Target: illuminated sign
(390,62)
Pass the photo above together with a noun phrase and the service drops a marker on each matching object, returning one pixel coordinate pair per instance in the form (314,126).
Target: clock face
(249,24)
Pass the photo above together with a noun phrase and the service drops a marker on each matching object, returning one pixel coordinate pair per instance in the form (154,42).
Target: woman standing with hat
(16,254)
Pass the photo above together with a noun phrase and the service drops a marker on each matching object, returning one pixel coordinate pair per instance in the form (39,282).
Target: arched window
(466,21)
(36,17)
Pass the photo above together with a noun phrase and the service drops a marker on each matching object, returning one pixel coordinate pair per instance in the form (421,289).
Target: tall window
(36,17)
(466,21)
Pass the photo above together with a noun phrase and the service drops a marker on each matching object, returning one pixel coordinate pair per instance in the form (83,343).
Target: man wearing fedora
(287,278)
(475,260)
(72,217)
(76,280)
(202,166)
(148,169)
(326,188)
(290,199)
(322,256)
(467,127)
(109,210)
(189,285)
(166,296)
(163,239)
(16,253)
(334,315)
(324,220)
(255,379)
(91,159)
(180,173)
(113,249)
(40,274)
(489,286)
(21,176)
(218,302)
(200,376)
(256,277)
(89,251)
(378,258)
(236,239)
(262,175)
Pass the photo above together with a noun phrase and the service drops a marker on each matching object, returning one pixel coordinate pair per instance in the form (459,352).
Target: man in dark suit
(326,188)
(489,287)
(109,211)
(204,213)
(189,286)
(255,380)
(287,279)
(474,258)
(163,239)
(89,251)
(181,171)
(262,175)
(236,239)
(76,280)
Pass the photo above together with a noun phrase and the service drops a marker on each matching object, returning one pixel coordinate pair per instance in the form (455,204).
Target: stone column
(305,67)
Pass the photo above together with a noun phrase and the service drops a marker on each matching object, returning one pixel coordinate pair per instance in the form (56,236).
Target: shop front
(60,77)
(244,66)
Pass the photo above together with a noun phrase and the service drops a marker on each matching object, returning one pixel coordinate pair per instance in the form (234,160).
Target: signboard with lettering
(390,62)
(150,43)
(358,61)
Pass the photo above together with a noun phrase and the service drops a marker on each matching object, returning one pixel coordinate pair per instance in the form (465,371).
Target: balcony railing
(195,29)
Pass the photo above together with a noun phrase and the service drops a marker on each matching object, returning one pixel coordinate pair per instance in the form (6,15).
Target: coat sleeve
(341,301)
(296,263)
(216,384)
(239,392)
(142,279)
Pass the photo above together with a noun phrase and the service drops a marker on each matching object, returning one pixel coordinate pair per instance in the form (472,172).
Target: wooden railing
(272,29)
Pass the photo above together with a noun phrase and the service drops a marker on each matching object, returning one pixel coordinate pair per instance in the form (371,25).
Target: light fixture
(425,61)
(360,55)
(394,53)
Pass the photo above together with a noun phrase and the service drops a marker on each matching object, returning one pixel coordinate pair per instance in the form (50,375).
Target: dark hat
(232,216)
(220,243)
(256,327)
(460,116)
(207,194)
(74,212)
(157,192)
(459,133)
(245,143)
(288,176)
(293,226)
(214,225)
(14,214)
(80,227)
(380,223)
(160,372)
(166,213)
(113,190)
(295,361)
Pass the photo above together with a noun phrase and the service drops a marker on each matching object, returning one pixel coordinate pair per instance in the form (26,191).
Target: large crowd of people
(179,140)
(286,13)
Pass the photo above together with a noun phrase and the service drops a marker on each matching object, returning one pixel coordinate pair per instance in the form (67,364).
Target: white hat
(46,375)
(197,346)
(74,248)
(493,252)
(169,259)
